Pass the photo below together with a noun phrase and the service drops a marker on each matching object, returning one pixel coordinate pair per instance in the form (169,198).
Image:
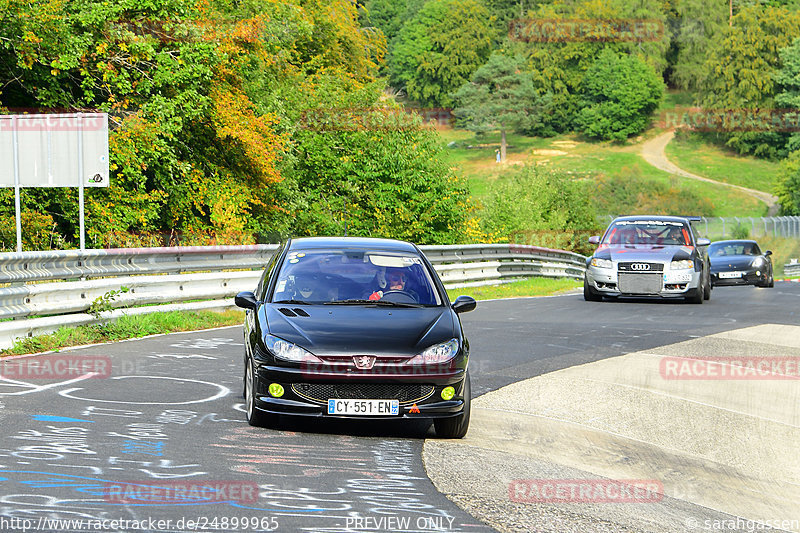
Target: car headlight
(602,263)
(758,262)
(288,351)
(683,264)
(438,353)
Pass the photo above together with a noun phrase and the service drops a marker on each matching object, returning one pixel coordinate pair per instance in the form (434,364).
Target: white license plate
(363,407)
(728,275)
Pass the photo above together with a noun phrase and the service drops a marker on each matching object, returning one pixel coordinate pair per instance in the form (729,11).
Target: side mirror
(768,252)
(594,239)
(703,242)
(246,300)
(464,304)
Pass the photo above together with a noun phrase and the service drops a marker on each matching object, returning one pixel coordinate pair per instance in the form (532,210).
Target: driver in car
(395,281)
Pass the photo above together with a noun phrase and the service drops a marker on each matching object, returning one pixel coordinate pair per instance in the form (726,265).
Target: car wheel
(456,427)
(771,281)
(697,297)
(254,416)
(588,293)
(707,290)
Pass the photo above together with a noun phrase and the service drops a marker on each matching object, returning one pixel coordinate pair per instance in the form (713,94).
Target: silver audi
(654,256)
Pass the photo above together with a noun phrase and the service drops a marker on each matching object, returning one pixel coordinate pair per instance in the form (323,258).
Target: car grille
(640,283)
(322,392)
(639,266)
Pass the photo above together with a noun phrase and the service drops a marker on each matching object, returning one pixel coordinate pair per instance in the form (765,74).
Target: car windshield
(733,248)
(354,276)
(648,232)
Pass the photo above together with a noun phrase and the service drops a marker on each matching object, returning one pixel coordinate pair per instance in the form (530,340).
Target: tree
(620,94)
(788,78)
(438,50)
(559,62)
(500,96)
(698,22)
(739,74)
(788,185)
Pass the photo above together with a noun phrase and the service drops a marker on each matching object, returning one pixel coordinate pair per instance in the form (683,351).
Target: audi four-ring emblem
(640,266)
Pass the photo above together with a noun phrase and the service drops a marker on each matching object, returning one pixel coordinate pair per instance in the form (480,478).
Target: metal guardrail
(792,268)
(213,274)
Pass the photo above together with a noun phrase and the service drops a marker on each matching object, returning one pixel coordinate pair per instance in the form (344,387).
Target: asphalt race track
(149,435)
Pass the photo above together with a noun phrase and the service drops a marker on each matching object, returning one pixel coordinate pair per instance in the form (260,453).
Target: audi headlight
(288,351)
(684,264)
(602,263)
(438,353)
(758,262)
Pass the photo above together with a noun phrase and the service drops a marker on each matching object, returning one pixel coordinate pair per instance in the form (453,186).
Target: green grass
(693,154)
(593,161)
(516,289)
(782,248)
(127,327)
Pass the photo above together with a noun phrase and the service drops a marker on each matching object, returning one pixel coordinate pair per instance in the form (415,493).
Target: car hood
(644,252)
(362,329)
(732,261)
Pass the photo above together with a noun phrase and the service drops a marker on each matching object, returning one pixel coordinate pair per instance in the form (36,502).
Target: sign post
(61,150)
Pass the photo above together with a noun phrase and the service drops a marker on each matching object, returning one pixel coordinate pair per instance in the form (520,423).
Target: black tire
(697,296)
(588,293)
(254,416)
(707,290)
(456,427)
(771,281)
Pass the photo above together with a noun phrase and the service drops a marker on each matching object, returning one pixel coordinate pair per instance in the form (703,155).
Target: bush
(620,93)
(541,207)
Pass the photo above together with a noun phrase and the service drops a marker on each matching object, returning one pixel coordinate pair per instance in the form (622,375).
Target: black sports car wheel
(697,296)
(254,416)
(456,427)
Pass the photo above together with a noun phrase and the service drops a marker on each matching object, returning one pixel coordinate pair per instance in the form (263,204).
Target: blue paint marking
(49,418)
(100,487)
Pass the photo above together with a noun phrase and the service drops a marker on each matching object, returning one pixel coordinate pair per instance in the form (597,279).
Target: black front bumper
(749,277)
(307,394)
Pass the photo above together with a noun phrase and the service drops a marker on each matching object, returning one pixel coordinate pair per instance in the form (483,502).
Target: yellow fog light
(276,390)
(448,393)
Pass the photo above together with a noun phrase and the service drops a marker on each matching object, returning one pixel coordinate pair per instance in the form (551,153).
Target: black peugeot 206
(355,328)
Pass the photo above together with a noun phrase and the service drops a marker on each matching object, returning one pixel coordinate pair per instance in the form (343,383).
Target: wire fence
(718,228)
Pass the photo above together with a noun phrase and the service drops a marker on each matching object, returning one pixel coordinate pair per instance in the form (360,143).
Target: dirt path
(653,153)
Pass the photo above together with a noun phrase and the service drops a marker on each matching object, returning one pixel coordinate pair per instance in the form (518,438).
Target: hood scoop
(287,312)
(300,312)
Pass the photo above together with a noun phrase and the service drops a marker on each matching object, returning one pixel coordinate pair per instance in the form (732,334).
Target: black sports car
(740,262)
(355,328)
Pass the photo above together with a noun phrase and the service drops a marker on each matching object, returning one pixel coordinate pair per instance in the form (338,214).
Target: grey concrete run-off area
(724,450)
